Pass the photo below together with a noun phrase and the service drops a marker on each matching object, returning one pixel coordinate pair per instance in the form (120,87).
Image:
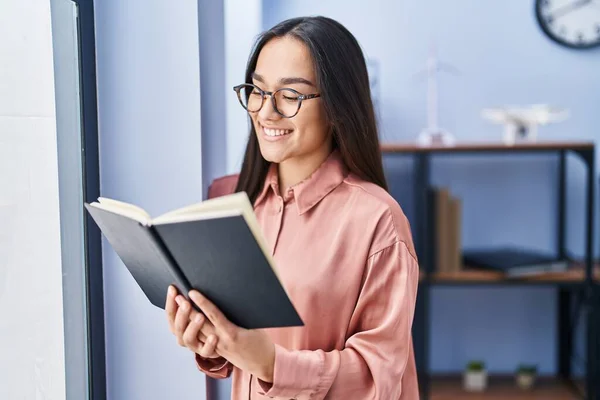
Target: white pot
(525,381)
(475,381)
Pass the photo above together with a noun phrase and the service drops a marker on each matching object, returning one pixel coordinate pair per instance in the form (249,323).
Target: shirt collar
(307,193)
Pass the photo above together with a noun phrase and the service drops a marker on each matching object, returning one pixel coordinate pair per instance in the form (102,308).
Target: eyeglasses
(286,101)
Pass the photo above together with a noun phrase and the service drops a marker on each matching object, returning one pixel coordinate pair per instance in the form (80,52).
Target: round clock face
(572,23)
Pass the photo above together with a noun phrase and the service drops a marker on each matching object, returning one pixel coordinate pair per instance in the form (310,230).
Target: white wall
(31,323)
(150,152)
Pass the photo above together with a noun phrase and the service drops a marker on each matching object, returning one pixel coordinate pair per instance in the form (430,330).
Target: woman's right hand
(186,324)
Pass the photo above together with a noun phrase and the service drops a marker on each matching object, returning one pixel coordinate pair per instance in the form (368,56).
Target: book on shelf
(455,246)
(447,229)
(514,261)
(215,246)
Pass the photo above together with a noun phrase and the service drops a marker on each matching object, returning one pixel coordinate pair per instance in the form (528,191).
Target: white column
(31,305)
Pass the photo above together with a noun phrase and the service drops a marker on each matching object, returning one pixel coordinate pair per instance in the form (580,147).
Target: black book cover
(142,253)
(219,257)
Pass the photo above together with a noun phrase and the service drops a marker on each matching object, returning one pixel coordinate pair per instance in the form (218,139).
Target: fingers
(192,332)
(213,314)
(208,350)
(188,325)
(182,318)
(192,338)
(171,307)
(206,327)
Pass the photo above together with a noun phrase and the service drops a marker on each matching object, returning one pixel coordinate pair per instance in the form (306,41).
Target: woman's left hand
(250,350)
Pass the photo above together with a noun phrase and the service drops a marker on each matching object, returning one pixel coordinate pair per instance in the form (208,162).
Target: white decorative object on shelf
(475,377)
(521,123)
(433,134)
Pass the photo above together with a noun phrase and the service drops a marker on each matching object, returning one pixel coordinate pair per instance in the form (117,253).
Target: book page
(174,218)
(122,208)
(234,202)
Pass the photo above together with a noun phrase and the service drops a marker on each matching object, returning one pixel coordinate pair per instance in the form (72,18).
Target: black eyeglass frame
(301,97)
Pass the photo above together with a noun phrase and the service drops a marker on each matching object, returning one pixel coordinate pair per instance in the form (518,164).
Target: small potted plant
(475,376)
(525,376)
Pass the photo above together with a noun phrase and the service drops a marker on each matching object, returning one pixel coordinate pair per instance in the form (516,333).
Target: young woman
(342,244)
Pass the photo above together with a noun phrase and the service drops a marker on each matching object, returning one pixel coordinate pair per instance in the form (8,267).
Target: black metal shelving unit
(583,293)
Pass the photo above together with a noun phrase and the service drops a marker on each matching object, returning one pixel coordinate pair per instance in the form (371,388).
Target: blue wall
(503,58)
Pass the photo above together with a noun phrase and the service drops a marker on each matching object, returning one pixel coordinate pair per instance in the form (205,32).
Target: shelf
(504,388)
(572,284)
(574,275)
(411,147)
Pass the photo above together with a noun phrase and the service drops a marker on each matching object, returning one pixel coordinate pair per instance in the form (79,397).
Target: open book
(215,246)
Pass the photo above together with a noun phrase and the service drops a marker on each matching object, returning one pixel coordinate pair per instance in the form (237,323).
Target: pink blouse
(344,252)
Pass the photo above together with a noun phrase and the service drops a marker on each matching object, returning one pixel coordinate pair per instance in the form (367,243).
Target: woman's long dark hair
(343,82)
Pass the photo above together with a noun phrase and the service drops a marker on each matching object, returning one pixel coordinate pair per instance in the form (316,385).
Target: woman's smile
(273,134)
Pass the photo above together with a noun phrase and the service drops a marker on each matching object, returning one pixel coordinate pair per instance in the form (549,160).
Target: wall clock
(571,23)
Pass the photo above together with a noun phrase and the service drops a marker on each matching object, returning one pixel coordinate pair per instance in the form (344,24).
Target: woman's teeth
(276,132)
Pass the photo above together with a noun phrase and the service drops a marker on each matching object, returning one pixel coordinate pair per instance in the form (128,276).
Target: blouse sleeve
(375,356)
(216,368)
